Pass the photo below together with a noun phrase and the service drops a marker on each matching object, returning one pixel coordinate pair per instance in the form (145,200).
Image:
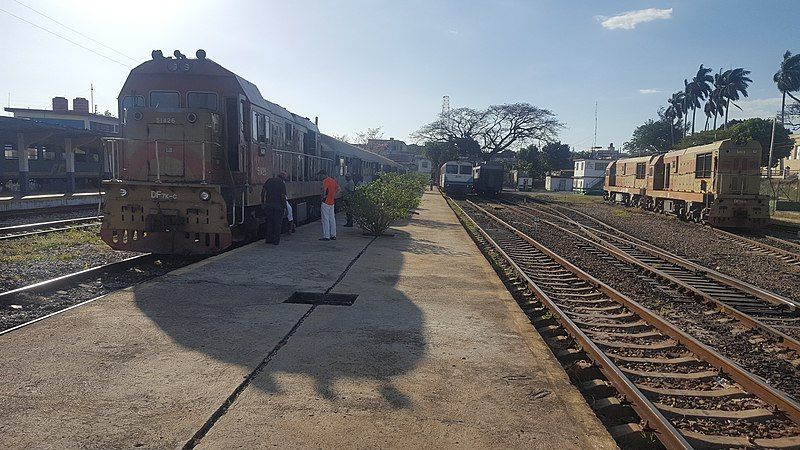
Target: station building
(79,116)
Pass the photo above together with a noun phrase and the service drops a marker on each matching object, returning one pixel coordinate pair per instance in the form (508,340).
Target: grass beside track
(60,246)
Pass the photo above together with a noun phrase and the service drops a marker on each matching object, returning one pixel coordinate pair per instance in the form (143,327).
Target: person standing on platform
(273,200)
(289,213)
(329,189)
(349,189)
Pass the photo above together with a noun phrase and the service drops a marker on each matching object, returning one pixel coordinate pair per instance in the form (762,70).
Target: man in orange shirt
(329,189)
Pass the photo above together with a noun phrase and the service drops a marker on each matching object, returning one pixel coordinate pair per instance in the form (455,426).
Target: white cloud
(766,108)
(649,91)
(629,19)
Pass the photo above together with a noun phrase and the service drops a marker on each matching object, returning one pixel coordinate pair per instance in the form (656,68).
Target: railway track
(787,256)
(684,392)
(775,315)
(30,304)
(33,229)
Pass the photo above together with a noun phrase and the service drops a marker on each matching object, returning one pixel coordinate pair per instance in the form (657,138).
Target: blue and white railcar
(455,177)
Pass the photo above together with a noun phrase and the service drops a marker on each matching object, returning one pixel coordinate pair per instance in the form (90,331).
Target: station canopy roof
(37,133)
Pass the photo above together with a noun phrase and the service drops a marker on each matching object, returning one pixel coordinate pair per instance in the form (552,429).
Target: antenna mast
(91,98)
(594,144)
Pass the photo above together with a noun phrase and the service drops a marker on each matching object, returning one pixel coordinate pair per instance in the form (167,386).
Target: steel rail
(654,419)
(753,383)
(784,255)
(32,229)
(80,275)
(793,244)
(620,254)
(685,263)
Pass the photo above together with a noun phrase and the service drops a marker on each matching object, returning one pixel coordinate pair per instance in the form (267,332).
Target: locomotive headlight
(205,196)
(123,192)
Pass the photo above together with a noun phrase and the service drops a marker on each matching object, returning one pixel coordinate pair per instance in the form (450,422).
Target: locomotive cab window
(451,169)
(202,100)
(165,99)
(132,101)
(703,166)
(466,170)
(641,170)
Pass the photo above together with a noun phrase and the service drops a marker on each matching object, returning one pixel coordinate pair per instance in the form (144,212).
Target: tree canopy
(491,130)
(654,136)
(536,162)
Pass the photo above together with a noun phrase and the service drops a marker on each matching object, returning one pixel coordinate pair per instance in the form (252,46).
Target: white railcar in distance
(455,178)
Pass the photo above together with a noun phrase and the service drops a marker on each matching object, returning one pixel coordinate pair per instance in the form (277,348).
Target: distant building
(506,158)
(589,174)
(559,180)
(609,153)
(409,155)
(78,117)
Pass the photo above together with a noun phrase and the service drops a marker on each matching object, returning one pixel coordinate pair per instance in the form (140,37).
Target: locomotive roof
(208,67)
(343,148)
(716,145)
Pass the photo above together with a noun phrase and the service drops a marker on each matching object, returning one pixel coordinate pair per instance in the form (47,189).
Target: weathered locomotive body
(487,179)
(197,143)
(716,183)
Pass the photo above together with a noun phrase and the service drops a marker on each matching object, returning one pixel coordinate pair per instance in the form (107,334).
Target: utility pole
(771,146)
(91,98)
(594,143)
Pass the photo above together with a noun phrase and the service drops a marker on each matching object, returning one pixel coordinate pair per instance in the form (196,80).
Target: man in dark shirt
(273,200)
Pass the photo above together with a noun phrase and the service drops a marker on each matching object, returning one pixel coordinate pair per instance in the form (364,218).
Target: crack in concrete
(223,408)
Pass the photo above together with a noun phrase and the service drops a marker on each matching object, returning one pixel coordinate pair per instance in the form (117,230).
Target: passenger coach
(718,184)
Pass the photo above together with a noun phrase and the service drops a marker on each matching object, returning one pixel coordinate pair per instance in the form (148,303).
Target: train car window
(80,155)
(451,169)
(288,135)
(9,152)
(254,126)
(132,101)
(466,170)
(703,166)
(202,100)
(165,99)
(624,168)
(263,128)
(48,154)
(641,170)
(242,118)
(675,165)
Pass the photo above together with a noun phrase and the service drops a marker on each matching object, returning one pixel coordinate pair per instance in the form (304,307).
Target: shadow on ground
(232,310)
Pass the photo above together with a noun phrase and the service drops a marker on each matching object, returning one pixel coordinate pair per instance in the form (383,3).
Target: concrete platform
(44,201)
(433,353)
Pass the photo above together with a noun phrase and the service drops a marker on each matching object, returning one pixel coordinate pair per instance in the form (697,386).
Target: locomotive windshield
(202,100)
(466,170)
(451,169)
(165,99)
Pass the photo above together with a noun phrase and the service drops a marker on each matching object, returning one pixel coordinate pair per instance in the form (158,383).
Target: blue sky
(360,64)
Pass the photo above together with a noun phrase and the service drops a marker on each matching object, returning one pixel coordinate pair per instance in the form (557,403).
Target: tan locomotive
(716,184)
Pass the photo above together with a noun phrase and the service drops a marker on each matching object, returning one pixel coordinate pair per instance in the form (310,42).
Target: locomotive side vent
(321,298)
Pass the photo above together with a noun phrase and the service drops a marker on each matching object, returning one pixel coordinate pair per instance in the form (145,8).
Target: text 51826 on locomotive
(717,184)
(197,142)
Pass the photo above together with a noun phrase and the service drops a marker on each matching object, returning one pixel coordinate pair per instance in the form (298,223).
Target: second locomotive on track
(717,184)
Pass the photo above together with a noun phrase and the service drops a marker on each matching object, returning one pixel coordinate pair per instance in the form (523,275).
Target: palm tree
(733,82)
(675,111)
(699,89)
(710,109)
(788,78)
(716,94)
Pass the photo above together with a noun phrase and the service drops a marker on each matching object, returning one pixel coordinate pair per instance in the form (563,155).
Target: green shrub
(376,205)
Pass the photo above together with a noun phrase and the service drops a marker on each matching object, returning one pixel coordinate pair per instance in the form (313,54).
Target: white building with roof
(589,174)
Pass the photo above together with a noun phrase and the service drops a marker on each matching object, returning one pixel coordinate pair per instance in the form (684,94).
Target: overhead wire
(76,31)
(64,38)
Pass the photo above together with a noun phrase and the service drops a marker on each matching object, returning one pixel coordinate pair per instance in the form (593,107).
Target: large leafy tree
(732,83)
(557,156)
(698,90)
(788,79)
(654,136)
(492,130)
(532,160)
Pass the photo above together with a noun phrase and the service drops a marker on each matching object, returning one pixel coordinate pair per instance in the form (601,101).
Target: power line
(76,31)
(64,38)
